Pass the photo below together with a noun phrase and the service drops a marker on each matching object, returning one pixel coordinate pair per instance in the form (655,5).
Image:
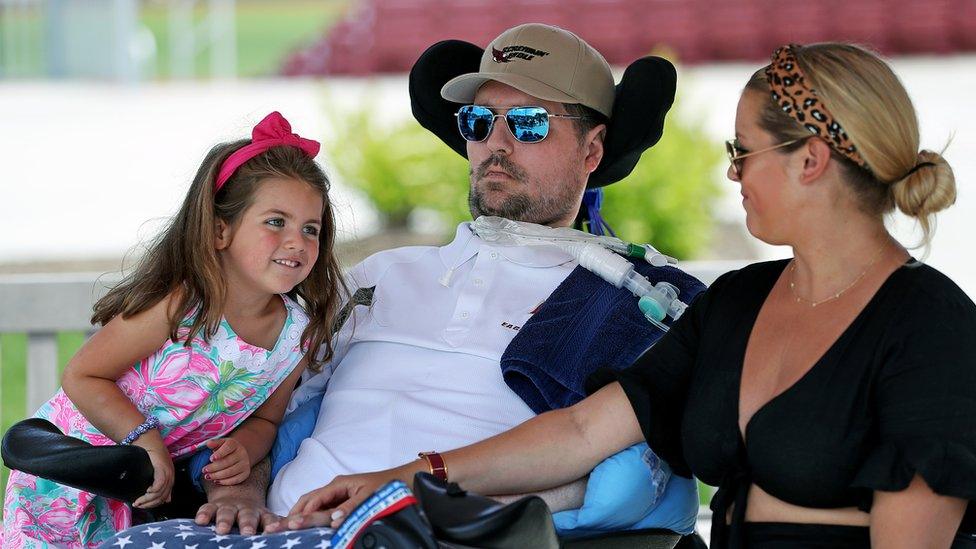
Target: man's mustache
(502,162)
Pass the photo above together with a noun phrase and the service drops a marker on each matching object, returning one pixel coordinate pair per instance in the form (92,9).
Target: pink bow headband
(273,131)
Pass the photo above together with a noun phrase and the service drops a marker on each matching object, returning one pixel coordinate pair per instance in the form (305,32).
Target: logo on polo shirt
(516,327)
(508,53)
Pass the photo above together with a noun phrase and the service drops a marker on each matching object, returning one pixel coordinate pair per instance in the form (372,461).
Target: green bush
(666,201)
(400,168)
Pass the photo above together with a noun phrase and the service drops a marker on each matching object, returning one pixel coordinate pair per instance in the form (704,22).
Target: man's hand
(227,511)
(241,504)
(332,503)
(229,463)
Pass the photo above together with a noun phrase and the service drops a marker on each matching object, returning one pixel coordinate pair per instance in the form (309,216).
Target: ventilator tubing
(657,301)
(505,231)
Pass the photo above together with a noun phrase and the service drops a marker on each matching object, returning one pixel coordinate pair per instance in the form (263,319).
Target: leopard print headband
(790,92)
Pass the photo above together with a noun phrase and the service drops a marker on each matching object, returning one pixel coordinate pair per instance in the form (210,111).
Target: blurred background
(107,108)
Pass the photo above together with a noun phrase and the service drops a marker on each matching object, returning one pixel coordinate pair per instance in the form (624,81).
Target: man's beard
(518,206)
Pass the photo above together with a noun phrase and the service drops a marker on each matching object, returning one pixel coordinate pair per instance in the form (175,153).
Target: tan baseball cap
(544,61)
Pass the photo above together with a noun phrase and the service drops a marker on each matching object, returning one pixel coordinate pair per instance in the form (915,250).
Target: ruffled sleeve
(948,467)
(925,395)
(657,383)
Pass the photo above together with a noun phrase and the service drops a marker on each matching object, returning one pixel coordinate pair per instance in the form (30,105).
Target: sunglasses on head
(527,124)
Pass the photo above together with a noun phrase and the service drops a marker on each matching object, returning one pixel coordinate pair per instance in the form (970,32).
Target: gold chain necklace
(812,303)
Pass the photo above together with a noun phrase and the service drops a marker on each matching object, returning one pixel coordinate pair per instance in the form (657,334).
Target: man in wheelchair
(440,347)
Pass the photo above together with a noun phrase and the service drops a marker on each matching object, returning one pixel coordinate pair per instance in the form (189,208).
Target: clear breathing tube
(596,254)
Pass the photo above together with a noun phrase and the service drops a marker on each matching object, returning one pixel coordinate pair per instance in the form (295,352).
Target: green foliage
(13,385)
(400,168)
(666,201)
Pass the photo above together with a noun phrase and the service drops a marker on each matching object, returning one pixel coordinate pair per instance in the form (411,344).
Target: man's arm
(242,504)
(560,498)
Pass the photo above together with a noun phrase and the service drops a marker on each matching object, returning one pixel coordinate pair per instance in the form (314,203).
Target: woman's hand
(332,503)
(229,464)
(163,475)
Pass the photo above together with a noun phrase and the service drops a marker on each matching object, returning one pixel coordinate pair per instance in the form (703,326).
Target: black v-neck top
(895,395)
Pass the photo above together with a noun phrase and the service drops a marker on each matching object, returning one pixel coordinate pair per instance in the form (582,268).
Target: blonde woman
(832,396)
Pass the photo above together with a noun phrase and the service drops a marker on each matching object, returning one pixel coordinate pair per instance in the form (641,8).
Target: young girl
(203,343)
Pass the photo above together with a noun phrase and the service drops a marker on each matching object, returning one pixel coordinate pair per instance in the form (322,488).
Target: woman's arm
(915,518)
(925,402)
(549,450)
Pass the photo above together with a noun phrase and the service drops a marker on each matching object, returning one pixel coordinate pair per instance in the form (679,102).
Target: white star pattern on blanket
(172,533)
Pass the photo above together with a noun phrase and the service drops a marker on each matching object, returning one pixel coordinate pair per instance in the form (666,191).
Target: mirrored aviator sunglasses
(527,124)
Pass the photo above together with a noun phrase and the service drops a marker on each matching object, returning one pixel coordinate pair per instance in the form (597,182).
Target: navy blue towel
(586,324)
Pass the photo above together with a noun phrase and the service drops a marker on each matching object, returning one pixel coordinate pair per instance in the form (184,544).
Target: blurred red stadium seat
(388,35)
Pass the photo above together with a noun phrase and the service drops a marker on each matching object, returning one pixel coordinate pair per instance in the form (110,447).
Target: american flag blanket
(185,534)
(391,498)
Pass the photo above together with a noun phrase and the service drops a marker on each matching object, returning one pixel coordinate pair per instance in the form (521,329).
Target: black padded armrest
(38,447)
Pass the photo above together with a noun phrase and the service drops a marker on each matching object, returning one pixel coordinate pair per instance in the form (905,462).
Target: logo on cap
(506,54)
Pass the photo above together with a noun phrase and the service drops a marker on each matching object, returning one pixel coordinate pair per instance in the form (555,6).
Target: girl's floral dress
(198,392)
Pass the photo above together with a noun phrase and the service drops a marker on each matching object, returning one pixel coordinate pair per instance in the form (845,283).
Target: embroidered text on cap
(506,54)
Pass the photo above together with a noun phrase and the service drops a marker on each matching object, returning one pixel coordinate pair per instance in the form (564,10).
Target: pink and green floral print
(198,392)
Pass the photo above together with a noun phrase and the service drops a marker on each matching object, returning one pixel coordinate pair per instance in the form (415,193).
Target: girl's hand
(229,463)
(163,475)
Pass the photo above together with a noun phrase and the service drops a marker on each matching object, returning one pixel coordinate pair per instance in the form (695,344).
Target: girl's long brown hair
(183,258)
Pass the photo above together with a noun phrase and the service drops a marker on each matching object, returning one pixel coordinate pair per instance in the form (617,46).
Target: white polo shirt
(419,369)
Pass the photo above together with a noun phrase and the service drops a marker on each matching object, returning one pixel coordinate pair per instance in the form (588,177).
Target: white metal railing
(42,306)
